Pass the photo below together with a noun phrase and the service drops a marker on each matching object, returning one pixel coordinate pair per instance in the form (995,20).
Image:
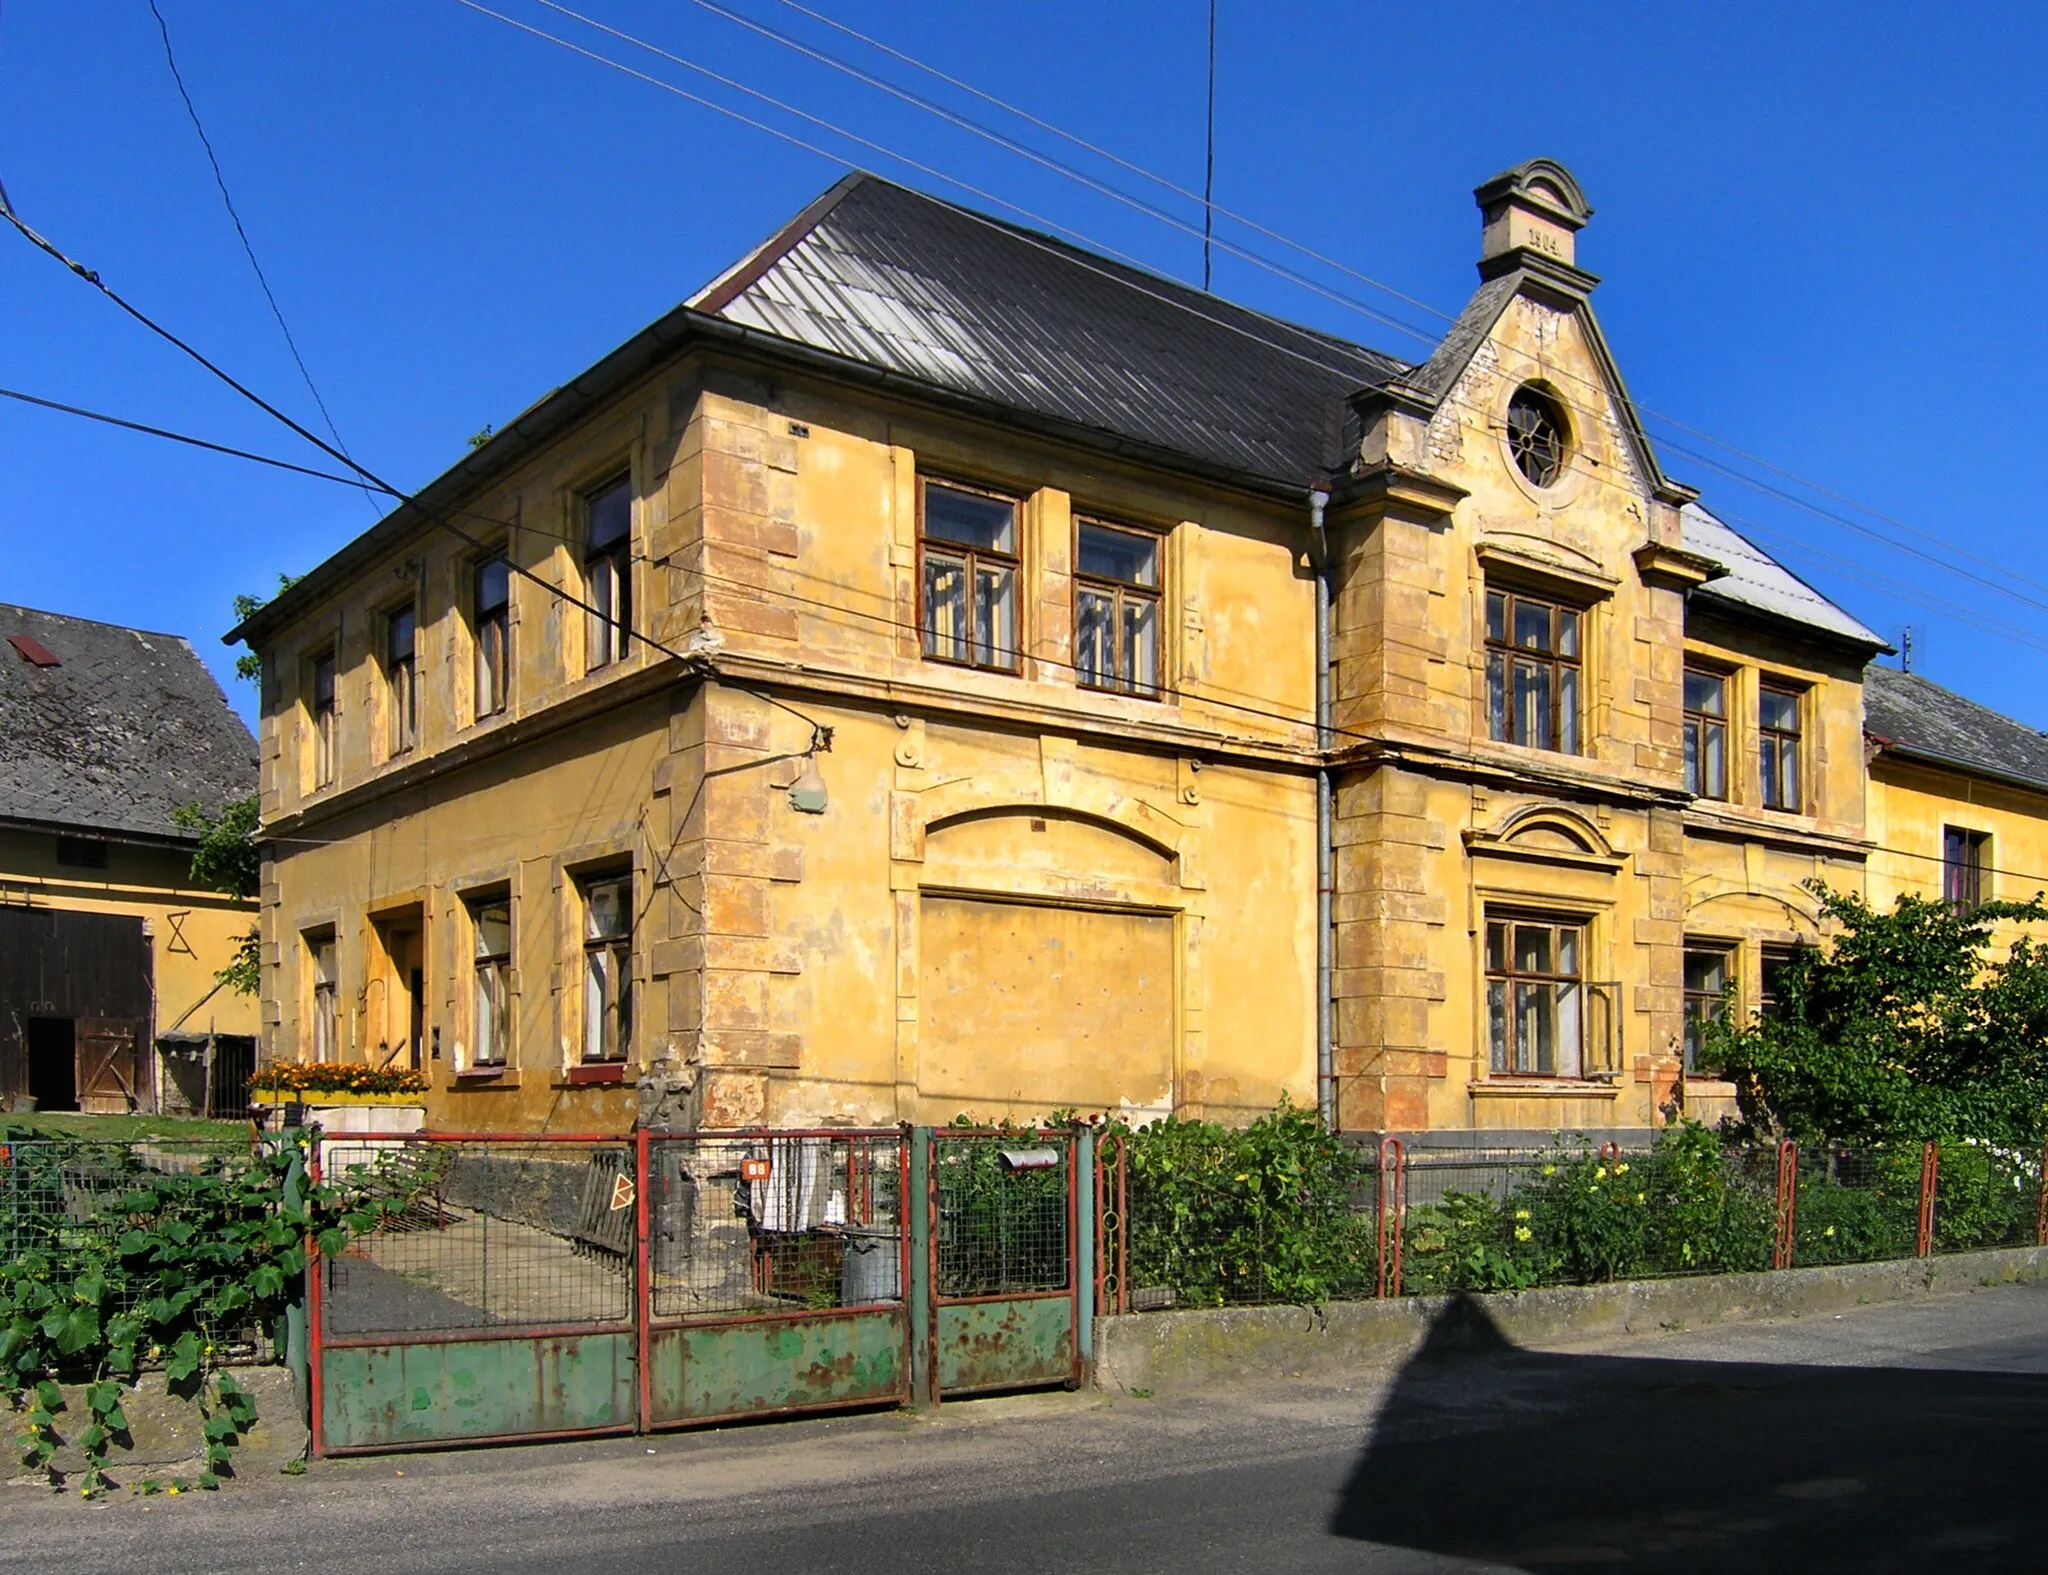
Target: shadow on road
(1559,1462)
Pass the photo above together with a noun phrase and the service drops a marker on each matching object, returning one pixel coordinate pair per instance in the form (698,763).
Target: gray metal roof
(1907,713)
(1757,581)
(125,728)
(896,279)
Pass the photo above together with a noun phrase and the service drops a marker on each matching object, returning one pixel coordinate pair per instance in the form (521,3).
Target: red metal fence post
(643,1294)
(1930,1170)
(1788,1204)
(315,1389)
(2041,1212)
(1391,1205)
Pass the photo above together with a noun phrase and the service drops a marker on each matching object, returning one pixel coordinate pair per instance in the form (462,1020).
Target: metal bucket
(873,1268)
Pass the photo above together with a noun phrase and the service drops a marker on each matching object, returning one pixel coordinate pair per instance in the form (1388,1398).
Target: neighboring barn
(107,951)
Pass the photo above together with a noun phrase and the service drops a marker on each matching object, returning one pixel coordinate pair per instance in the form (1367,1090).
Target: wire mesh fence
(1003,1204)
(73,1209)
(770,1223)
(1194,1228)
(1987,1196)
(481,1234)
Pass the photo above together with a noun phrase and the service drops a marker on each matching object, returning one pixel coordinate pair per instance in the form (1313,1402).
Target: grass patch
(120,1129)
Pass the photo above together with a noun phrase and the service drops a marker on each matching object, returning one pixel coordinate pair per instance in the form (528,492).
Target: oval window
(1536,430)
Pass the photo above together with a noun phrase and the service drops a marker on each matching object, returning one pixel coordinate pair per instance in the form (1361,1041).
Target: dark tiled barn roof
(1919,718)
(117,732)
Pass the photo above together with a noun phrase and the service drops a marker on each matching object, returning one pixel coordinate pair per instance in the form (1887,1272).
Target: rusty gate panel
(469,1391)
(710,1372)
(1004,1344)
(1006,1311)
(774,1273)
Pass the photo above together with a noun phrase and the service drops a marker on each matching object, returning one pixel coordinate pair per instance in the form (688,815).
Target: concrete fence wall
(1186,1350)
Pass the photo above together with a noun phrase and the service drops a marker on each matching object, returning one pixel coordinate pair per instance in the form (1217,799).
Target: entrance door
(106,1066)
(397,993)
(52,1063)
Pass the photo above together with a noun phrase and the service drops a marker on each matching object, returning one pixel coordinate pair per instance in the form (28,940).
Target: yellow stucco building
(939,670)
(108,949)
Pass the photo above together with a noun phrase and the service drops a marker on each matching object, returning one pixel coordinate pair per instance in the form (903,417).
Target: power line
(178,437)
(821,736)
(1151,210)
(1206,199)
(248,247)
(1209,160)
(838,609)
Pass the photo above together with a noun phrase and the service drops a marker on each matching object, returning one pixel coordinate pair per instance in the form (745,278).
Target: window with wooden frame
(608,570)
(1706,733)
(490,623)
(320,952)
(1770,1000)
(490,921)
(322,710)
(401,676)
(1777,747)
(1116,608)
(967,575)
(1709,983)
(1535,997)
(1965,867)
(607,968)
(1532,671)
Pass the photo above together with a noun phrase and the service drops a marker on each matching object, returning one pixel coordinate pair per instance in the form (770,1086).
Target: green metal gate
(527,1288)
(773,1274)
(1006,1273)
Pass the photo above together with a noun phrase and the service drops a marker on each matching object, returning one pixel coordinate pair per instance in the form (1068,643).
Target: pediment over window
(1547,834)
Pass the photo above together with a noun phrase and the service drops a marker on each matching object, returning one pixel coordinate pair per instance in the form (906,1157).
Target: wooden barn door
(106,1066)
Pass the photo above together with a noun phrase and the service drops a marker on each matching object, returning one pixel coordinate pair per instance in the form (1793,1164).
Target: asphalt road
(1903,1437)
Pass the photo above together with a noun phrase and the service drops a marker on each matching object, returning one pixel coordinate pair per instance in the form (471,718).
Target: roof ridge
(101,623)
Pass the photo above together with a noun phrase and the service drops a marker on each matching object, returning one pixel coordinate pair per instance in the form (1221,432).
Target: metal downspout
(1326,1069)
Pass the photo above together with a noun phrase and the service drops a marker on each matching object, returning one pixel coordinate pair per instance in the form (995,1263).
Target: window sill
(1543,1088)
(593,1072)
(484,1077)
(1698,1087)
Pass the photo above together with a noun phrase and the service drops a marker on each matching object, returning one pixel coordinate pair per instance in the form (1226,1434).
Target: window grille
(1536,429)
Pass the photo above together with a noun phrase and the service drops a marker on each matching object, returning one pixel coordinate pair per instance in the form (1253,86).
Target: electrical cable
(788,596)
(1718,467)
(248,247)
(1281,271)
(821,736)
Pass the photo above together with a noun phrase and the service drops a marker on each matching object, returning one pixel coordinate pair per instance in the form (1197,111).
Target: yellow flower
(1521,1214)
(1829,1231)
(1244,1176)
(1549,1170)
(1600,1174)
(1521,1233)
(173,1488)
(1621,1169)
(1639,1197)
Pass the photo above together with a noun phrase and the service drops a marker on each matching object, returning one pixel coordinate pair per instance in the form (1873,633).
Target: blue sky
(1820,229)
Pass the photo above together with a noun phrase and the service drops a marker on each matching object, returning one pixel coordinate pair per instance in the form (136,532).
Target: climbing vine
(113,1259)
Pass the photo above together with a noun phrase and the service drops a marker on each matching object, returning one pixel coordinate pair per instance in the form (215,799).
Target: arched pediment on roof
(1548,834)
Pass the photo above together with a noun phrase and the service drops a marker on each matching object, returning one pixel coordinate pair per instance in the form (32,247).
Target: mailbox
(1016,1159)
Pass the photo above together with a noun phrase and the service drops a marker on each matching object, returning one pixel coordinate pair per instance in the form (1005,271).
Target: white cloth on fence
(794,1197)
